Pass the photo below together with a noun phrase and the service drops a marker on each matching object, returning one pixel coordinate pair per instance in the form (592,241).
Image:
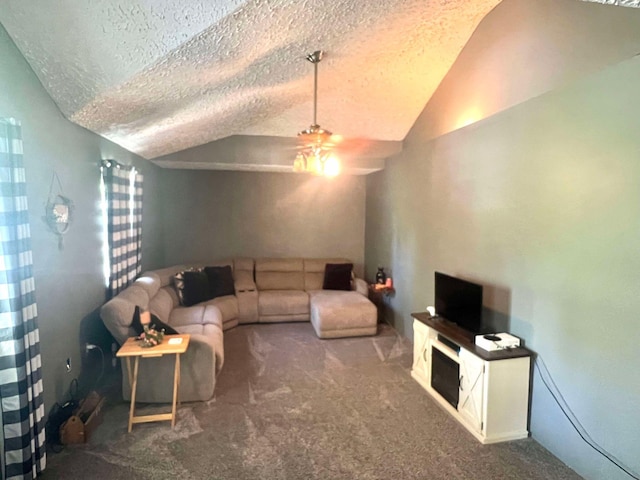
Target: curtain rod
(109,163)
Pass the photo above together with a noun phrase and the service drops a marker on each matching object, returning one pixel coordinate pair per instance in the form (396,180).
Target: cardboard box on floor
(81,425)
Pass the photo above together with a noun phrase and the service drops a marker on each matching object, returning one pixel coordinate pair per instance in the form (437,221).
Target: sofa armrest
(247,295)
(243,281)
(359,285)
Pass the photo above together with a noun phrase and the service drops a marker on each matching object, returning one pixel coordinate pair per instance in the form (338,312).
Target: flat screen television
(459,301)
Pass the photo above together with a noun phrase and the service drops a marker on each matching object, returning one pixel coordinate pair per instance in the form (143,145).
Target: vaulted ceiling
(164,76)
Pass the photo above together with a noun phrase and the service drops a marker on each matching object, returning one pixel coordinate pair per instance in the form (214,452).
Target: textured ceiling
(161,76)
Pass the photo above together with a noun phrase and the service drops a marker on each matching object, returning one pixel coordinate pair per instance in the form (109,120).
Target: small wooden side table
(383,290)
(377,296)
(172,344)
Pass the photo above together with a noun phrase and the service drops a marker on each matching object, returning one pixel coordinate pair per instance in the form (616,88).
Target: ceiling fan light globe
(299,164)
(312,164)
(331,167)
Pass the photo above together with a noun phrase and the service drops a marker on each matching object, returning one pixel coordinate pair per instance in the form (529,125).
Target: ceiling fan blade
(350,144)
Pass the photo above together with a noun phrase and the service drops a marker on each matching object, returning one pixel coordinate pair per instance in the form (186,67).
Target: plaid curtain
(21,393)
(123,192)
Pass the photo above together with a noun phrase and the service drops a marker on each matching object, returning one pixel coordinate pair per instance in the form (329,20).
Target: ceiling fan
(316,148)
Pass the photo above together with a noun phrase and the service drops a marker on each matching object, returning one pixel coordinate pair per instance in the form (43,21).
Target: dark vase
(381,277)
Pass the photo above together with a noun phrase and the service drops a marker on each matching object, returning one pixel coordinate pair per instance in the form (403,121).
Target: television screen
(459,301)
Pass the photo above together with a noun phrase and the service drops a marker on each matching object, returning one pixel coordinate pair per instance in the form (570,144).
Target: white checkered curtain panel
(123,191)
(22,403)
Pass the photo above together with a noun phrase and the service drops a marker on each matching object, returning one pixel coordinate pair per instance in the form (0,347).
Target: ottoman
(336,314)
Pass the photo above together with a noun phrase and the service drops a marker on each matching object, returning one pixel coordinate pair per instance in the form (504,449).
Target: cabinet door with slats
(421,359)
(470,403)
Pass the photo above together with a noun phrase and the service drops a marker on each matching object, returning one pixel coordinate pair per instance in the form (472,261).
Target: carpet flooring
(291,406)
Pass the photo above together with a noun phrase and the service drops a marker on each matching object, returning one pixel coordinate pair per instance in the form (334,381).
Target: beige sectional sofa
(266,291)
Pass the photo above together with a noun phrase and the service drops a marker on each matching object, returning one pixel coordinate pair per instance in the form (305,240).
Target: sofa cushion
(150,282)
(192,287)
(116,315)
(212,316)
(228,306)
(220,281)
(337,276)
(283,302)
(163,302)
(181,316)
(135,294)
(196,315)
(279,274)
(342,314)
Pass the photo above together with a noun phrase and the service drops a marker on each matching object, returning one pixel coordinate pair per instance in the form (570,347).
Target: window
(122,220)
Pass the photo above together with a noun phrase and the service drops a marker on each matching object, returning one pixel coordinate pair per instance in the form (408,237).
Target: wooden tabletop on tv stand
(466,339)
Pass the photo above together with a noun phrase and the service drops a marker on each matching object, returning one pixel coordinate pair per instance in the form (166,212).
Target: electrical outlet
(67,365)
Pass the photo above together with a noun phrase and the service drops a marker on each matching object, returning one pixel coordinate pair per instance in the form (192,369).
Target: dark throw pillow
(337,276)
(156,323)
(192,287)
(220,281)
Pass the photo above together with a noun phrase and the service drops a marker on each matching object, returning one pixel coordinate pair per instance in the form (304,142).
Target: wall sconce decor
(58,211)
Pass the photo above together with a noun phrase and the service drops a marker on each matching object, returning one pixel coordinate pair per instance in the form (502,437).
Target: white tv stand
(493,391)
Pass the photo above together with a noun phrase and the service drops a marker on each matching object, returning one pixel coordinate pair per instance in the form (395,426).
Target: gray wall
(214,215)
(69,282)
(524,48)
(541,204)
